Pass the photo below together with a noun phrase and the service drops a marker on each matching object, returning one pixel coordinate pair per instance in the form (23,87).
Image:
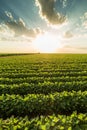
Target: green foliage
(59,122)
(34,105)
(46,87)
(43,84)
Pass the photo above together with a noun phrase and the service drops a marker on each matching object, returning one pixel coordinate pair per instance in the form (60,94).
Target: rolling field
(43,92)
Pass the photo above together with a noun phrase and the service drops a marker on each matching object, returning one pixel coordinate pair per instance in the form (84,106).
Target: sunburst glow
(47,43)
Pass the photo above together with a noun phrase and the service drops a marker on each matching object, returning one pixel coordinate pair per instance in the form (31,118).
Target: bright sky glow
(47,43)
(45,26)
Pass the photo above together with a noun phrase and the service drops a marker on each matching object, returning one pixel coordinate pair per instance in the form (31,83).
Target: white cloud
(84,20)
(5,33)
(17,31)
(8,14)
(85,15)
(19,28)
(85,24)
(64,2)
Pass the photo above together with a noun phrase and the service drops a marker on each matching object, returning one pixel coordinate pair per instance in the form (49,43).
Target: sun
(47,43)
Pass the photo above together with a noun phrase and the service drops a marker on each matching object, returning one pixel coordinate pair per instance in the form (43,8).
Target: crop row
(41,79)
(45,67)
(41,70)
(44,88)
(59,122)
(43,74)
(39,104)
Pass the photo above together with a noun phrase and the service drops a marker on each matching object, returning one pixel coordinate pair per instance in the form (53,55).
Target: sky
(45,26)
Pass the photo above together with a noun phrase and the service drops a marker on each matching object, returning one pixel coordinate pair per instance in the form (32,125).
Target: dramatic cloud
(68,34)
(13,30)
(19,28)
(48,12)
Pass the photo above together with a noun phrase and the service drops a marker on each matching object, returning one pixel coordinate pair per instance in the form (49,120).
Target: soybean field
(43,92)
